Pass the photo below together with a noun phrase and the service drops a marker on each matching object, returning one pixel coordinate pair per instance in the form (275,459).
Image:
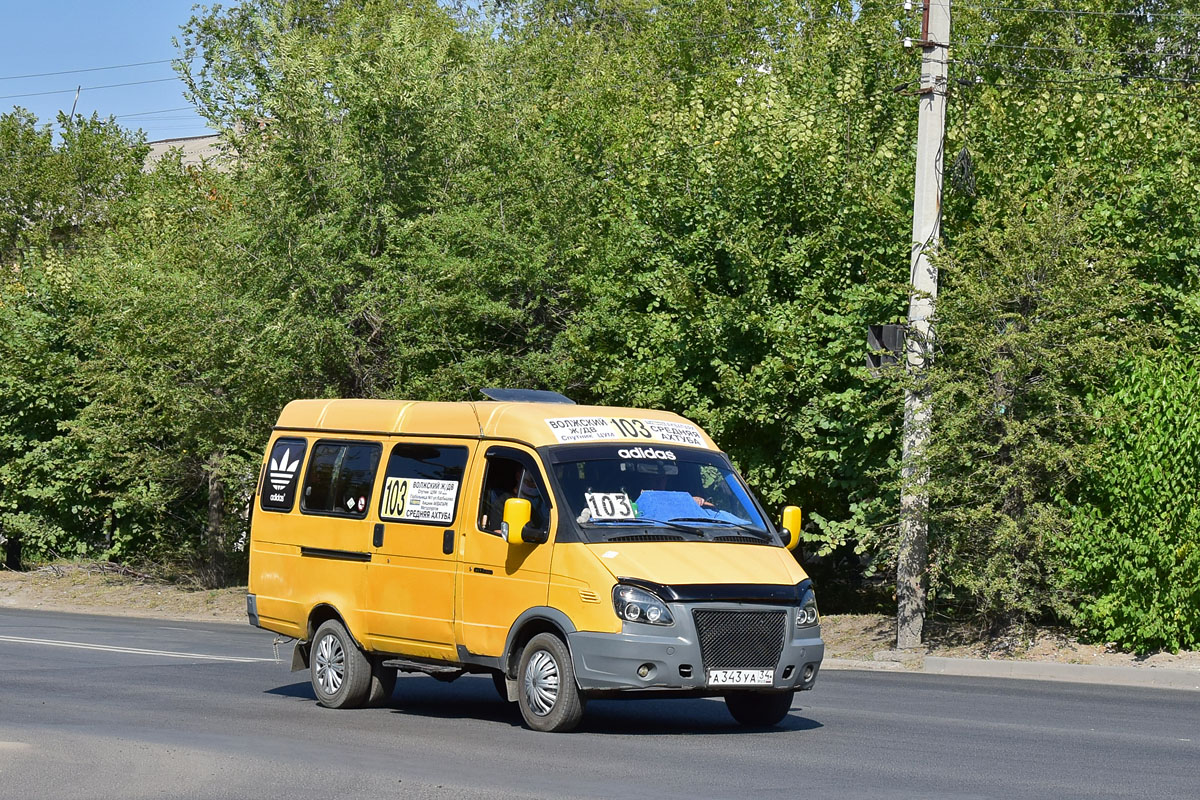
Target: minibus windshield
(688,493)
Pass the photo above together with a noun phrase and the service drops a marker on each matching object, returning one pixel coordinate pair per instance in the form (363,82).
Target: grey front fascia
(610,661)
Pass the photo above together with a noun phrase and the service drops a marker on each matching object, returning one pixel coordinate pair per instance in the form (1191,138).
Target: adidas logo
(282,472)
(646,452)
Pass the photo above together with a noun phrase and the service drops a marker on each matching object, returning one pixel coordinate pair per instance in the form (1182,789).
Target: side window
(339,478)
(422,484)
(278,491)
(507,477)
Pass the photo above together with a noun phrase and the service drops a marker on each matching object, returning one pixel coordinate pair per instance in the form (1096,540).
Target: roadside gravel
(105,589)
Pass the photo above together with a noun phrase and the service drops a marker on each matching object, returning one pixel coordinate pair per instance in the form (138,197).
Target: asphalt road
(130,721)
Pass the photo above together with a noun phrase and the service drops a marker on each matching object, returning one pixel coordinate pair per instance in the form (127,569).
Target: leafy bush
(1030,327)
(1134,555)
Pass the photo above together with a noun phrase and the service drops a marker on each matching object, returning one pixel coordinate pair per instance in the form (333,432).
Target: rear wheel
(549,699)
(759,709)
(341,674)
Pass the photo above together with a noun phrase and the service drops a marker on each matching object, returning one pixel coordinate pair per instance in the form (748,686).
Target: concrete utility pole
(927,218)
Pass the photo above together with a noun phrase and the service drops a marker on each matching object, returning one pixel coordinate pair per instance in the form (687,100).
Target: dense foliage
(697,206)
(1135,551)
(1031,329)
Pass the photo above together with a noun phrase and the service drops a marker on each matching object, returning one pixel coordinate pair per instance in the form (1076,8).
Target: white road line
(130,650)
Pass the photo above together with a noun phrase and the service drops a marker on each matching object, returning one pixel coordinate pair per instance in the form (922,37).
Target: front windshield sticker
(596,429)
(610,505)
(646,452)
(419,500)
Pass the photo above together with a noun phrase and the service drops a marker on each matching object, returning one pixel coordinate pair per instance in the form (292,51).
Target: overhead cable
(85,69)
(86,88)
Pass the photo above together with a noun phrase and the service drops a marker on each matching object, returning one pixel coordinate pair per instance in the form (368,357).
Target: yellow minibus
(571,552)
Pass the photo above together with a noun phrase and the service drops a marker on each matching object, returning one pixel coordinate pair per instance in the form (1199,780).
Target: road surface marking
(130,650)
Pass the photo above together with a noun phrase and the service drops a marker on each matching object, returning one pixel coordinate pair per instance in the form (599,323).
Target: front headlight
(637,605)
(807,614)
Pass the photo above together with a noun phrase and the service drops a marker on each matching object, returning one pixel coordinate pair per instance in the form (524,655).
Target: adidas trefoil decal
(282,472)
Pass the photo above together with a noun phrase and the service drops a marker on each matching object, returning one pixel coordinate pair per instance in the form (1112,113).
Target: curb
(874,666)
(1152,677)
(1147,677)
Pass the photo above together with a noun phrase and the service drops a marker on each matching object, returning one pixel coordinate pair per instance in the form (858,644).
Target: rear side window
(339,478)
(278,491)
(422,484)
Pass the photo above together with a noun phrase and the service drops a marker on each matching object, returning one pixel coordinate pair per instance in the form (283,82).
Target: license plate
(741,677)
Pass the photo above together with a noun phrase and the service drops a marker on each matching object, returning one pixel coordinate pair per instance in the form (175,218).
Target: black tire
(548,697)
(501,684)
(383,683)
(759,709)
(341,674)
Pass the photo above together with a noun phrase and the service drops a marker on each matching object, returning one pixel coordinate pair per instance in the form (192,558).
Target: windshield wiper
(647,521)
(755,532)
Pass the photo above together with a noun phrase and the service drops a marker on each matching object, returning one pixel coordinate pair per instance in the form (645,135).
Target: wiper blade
(644,522)
(755,532)
(671,524)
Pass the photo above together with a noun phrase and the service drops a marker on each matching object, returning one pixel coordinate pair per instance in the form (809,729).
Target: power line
(168,118)
(1093,77)
(86,88)
(148,113)
(85,69)
(1180,15)
(1063,88)
(965,43)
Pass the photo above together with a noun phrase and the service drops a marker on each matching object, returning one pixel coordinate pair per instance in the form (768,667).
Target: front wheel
(759,709)
(341,674)
(549,699)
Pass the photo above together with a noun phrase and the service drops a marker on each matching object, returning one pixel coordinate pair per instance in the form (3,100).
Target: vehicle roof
(526,422)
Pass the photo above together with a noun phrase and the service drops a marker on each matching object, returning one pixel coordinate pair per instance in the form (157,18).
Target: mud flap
(300,656)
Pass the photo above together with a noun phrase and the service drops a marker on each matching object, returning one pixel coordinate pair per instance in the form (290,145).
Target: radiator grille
(740,639)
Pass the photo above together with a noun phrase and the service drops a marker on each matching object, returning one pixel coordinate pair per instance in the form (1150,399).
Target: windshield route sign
(600,429)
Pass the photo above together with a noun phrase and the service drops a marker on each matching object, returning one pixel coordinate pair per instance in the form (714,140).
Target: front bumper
(610,661)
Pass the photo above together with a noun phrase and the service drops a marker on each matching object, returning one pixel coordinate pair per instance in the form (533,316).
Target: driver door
(499,581)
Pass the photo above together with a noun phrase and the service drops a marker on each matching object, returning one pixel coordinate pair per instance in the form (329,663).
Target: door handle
(448,541)
(378,540)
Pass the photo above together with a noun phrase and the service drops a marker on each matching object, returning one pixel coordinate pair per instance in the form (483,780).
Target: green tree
(52,197)
(1133,560)
(1033,322)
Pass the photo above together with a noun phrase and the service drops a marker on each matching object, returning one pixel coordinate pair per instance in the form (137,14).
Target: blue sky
(57,35)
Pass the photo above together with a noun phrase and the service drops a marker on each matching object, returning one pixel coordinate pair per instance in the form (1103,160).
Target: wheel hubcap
(330,664)
(541,683)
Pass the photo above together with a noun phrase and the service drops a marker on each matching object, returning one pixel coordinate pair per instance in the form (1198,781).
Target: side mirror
(791,524)
(516,528)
